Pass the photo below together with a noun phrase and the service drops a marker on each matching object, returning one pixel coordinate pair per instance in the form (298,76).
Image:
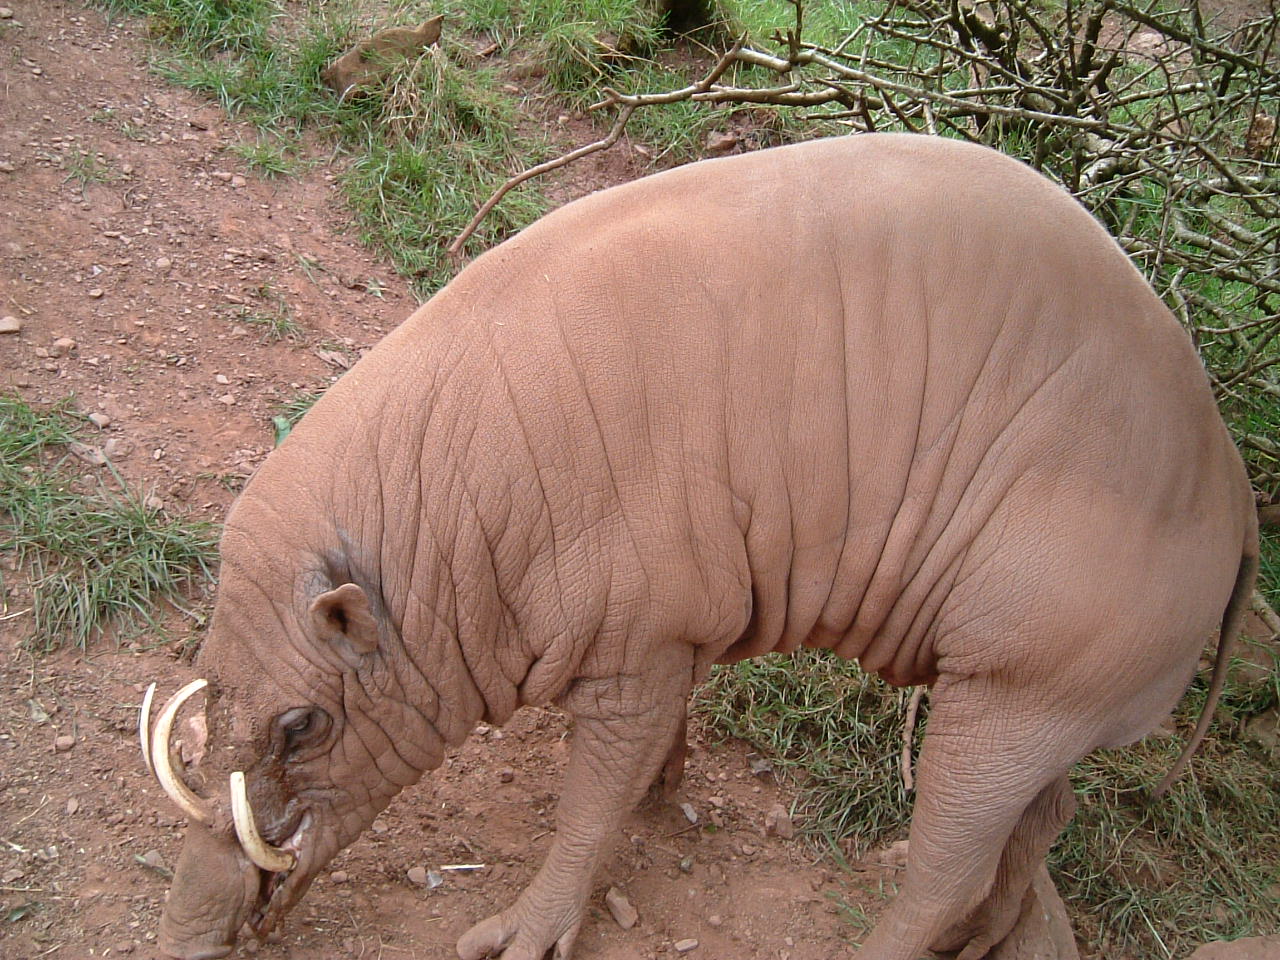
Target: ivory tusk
(178,792)
(144,727)
(269,858)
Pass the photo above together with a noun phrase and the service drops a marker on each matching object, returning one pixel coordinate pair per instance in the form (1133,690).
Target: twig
(908,737)
(1266,614)
(618,125)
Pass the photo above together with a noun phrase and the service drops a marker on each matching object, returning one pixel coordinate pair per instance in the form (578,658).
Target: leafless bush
(1162,124)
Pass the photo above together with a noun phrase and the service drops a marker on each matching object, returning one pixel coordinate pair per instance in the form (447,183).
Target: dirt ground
(151,274)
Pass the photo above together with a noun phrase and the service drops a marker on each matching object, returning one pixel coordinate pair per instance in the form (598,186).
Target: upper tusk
(272,859)
(178,792)
(144,727)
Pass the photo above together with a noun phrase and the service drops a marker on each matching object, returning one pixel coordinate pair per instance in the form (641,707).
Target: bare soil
(151,273)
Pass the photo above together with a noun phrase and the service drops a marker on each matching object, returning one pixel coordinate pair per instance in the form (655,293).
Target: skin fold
(892,395)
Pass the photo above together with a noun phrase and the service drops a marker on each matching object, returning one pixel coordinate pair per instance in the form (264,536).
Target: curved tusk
(144,727)
(178,792)
(269,858)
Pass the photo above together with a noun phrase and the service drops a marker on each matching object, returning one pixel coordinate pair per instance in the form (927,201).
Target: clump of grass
(291,411)
(86,168)
(825,723)
(434,138)
(89,559)
(269,157)
(273,319)
(272,326)
(579,45)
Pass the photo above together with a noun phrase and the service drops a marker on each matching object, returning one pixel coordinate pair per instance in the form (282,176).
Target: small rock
(222,175)
(894,855)
(686,865)
(761,767)
(61,347)
(72,806)
(100,420)
(719,142)
(222,378)
(153,860)
(163,264)
(624,914)
(117,448)
(339,876)
(684,946)
(93,456)
(715,920)
(10,876)
(506,775)
(777,823)
(10,325)
(690,814)
(716,801)
(64,743)
(747,850)
(228,399)
(418,876)
(6,13)
(238,181)
(123,946)
(6,167)
(96,293)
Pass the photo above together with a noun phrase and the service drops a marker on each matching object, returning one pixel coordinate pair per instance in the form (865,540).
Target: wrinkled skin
(890,395)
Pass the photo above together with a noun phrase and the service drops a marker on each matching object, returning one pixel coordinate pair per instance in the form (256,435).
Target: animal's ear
(429,32)
(342,617)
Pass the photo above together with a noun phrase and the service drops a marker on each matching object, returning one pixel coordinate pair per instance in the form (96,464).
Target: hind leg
(1023,855)
(991,798)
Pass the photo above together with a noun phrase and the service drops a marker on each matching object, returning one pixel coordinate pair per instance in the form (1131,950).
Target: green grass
(826,723)
(270,157)
(86,168)
(434,142)
(93,554)
(291,411)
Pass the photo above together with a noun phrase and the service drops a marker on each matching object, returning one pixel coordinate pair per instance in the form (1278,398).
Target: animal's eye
(302,726)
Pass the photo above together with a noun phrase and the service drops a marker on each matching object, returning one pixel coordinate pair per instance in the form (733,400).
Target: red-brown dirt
(148,273)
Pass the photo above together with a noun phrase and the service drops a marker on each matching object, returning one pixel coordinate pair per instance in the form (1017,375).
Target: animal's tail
(1232,618)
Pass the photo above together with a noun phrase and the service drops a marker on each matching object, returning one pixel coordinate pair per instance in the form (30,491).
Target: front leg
(623,729)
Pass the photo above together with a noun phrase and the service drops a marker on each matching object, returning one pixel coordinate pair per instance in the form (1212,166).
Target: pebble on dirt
(10,325)
(62,346)
(100,420)
(620,907)
(418,876)
(777,823)
(684,946)
(64,743)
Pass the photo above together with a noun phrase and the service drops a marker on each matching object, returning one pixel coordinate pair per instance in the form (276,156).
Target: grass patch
(86,168)
(91,559)
(827,725)
(434,141)
(269,157)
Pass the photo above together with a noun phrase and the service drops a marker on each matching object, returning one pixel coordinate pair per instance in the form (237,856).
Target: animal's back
(804,395)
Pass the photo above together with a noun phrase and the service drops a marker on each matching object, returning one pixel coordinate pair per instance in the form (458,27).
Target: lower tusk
(144,727)
(272,859)
(178,792)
